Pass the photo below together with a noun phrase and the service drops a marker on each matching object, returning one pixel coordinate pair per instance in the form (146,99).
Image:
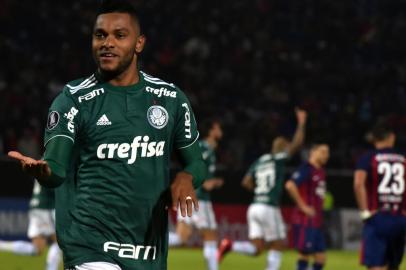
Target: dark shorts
(383,240)
(308,240)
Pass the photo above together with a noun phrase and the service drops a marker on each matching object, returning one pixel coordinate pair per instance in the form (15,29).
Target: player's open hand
(301,116)
(36,168)
(183,194)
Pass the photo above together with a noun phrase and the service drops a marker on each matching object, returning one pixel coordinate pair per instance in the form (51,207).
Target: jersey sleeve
(63,119)
(185,126)
(301,175)
(364,163)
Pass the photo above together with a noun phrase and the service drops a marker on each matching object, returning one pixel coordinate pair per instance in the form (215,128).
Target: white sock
(244,247)
(274,260)
(18,247)
(53,257)
(210,253)
(174,239)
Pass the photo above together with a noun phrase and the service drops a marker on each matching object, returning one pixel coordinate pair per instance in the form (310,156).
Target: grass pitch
(192,259)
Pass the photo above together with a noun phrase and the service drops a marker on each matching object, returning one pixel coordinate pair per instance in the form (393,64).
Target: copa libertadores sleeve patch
(53,120)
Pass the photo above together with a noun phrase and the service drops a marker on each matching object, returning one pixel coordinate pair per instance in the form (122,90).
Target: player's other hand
(308,210)
(36,168)
(183,194)
(301,116)
(213,183)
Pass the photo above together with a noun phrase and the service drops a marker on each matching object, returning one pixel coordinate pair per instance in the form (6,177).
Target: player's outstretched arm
(299,136)
(38,169)
(50,172)
(294,193)
(183,186)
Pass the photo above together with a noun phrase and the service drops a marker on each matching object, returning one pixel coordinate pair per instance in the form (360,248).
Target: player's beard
(123,65)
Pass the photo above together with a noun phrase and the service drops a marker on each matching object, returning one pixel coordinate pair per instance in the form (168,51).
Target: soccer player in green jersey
(265,178)
(108,143)
(204,220)
(41,229)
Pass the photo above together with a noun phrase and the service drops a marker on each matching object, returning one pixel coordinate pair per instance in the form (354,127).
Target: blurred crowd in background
(248,63)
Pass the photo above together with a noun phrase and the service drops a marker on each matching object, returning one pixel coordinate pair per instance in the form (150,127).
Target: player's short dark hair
(380,131)
(317,144)
(206,125)
(119,6)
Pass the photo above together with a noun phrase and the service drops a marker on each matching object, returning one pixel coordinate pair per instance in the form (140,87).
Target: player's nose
(108,42)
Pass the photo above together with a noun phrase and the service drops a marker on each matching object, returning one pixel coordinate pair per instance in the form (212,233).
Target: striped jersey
(311,182)
(385,184)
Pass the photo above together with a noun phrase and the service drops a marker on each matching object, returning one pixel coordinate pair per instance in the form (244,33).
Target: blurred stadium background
(248,63)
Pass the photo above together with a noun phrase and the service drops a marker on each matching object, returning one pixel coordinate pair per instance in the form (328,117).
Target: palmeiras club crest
(157,116)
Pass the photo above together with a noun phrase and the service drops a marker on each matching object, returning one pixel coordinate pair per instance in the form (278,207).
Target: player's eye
(99,35)
(121,35)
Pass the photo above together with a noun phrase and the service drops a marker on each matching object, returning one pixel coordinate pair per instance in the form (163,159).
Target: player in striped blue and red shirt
(307,188)
(379,185)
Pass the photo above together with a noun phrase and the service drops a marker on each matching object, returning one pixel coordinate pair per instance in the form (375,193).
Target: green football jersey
(209,158)
(111,207)
(42,197)
(268,173)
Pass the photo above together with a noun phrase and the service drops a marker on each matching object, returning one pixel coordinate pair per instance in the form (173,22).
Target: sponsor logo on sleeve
(188,132)
(71,116)
(53,120)
(157,116)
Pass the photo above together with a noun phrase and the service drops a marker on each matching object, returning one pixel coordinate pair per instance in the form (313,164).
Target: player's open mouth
(105,56)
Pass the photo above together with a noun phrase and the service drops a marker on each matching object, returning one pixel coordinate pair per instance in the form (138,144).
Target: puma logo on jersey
(91,95)
(161,92)
(131,251)
(103,121)
(140,147)
(71,116)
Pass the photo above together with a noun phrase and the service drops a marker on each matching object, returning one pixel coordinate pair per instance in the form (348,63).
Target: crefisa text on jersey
(148,149)
(159,92)
(130,251)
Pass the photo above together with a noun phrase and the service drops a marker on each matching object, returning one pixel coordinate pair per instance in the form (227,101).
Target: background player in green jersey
(265,178)
(204,220)
(108,143)
(41,229)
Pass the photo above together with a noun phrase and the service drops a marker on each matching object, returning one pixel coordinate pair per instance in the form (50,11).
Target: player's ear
(139,45)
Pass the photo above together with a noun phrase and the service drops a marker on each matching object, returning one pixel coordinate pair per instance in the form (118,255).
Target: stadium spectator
(247,61)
